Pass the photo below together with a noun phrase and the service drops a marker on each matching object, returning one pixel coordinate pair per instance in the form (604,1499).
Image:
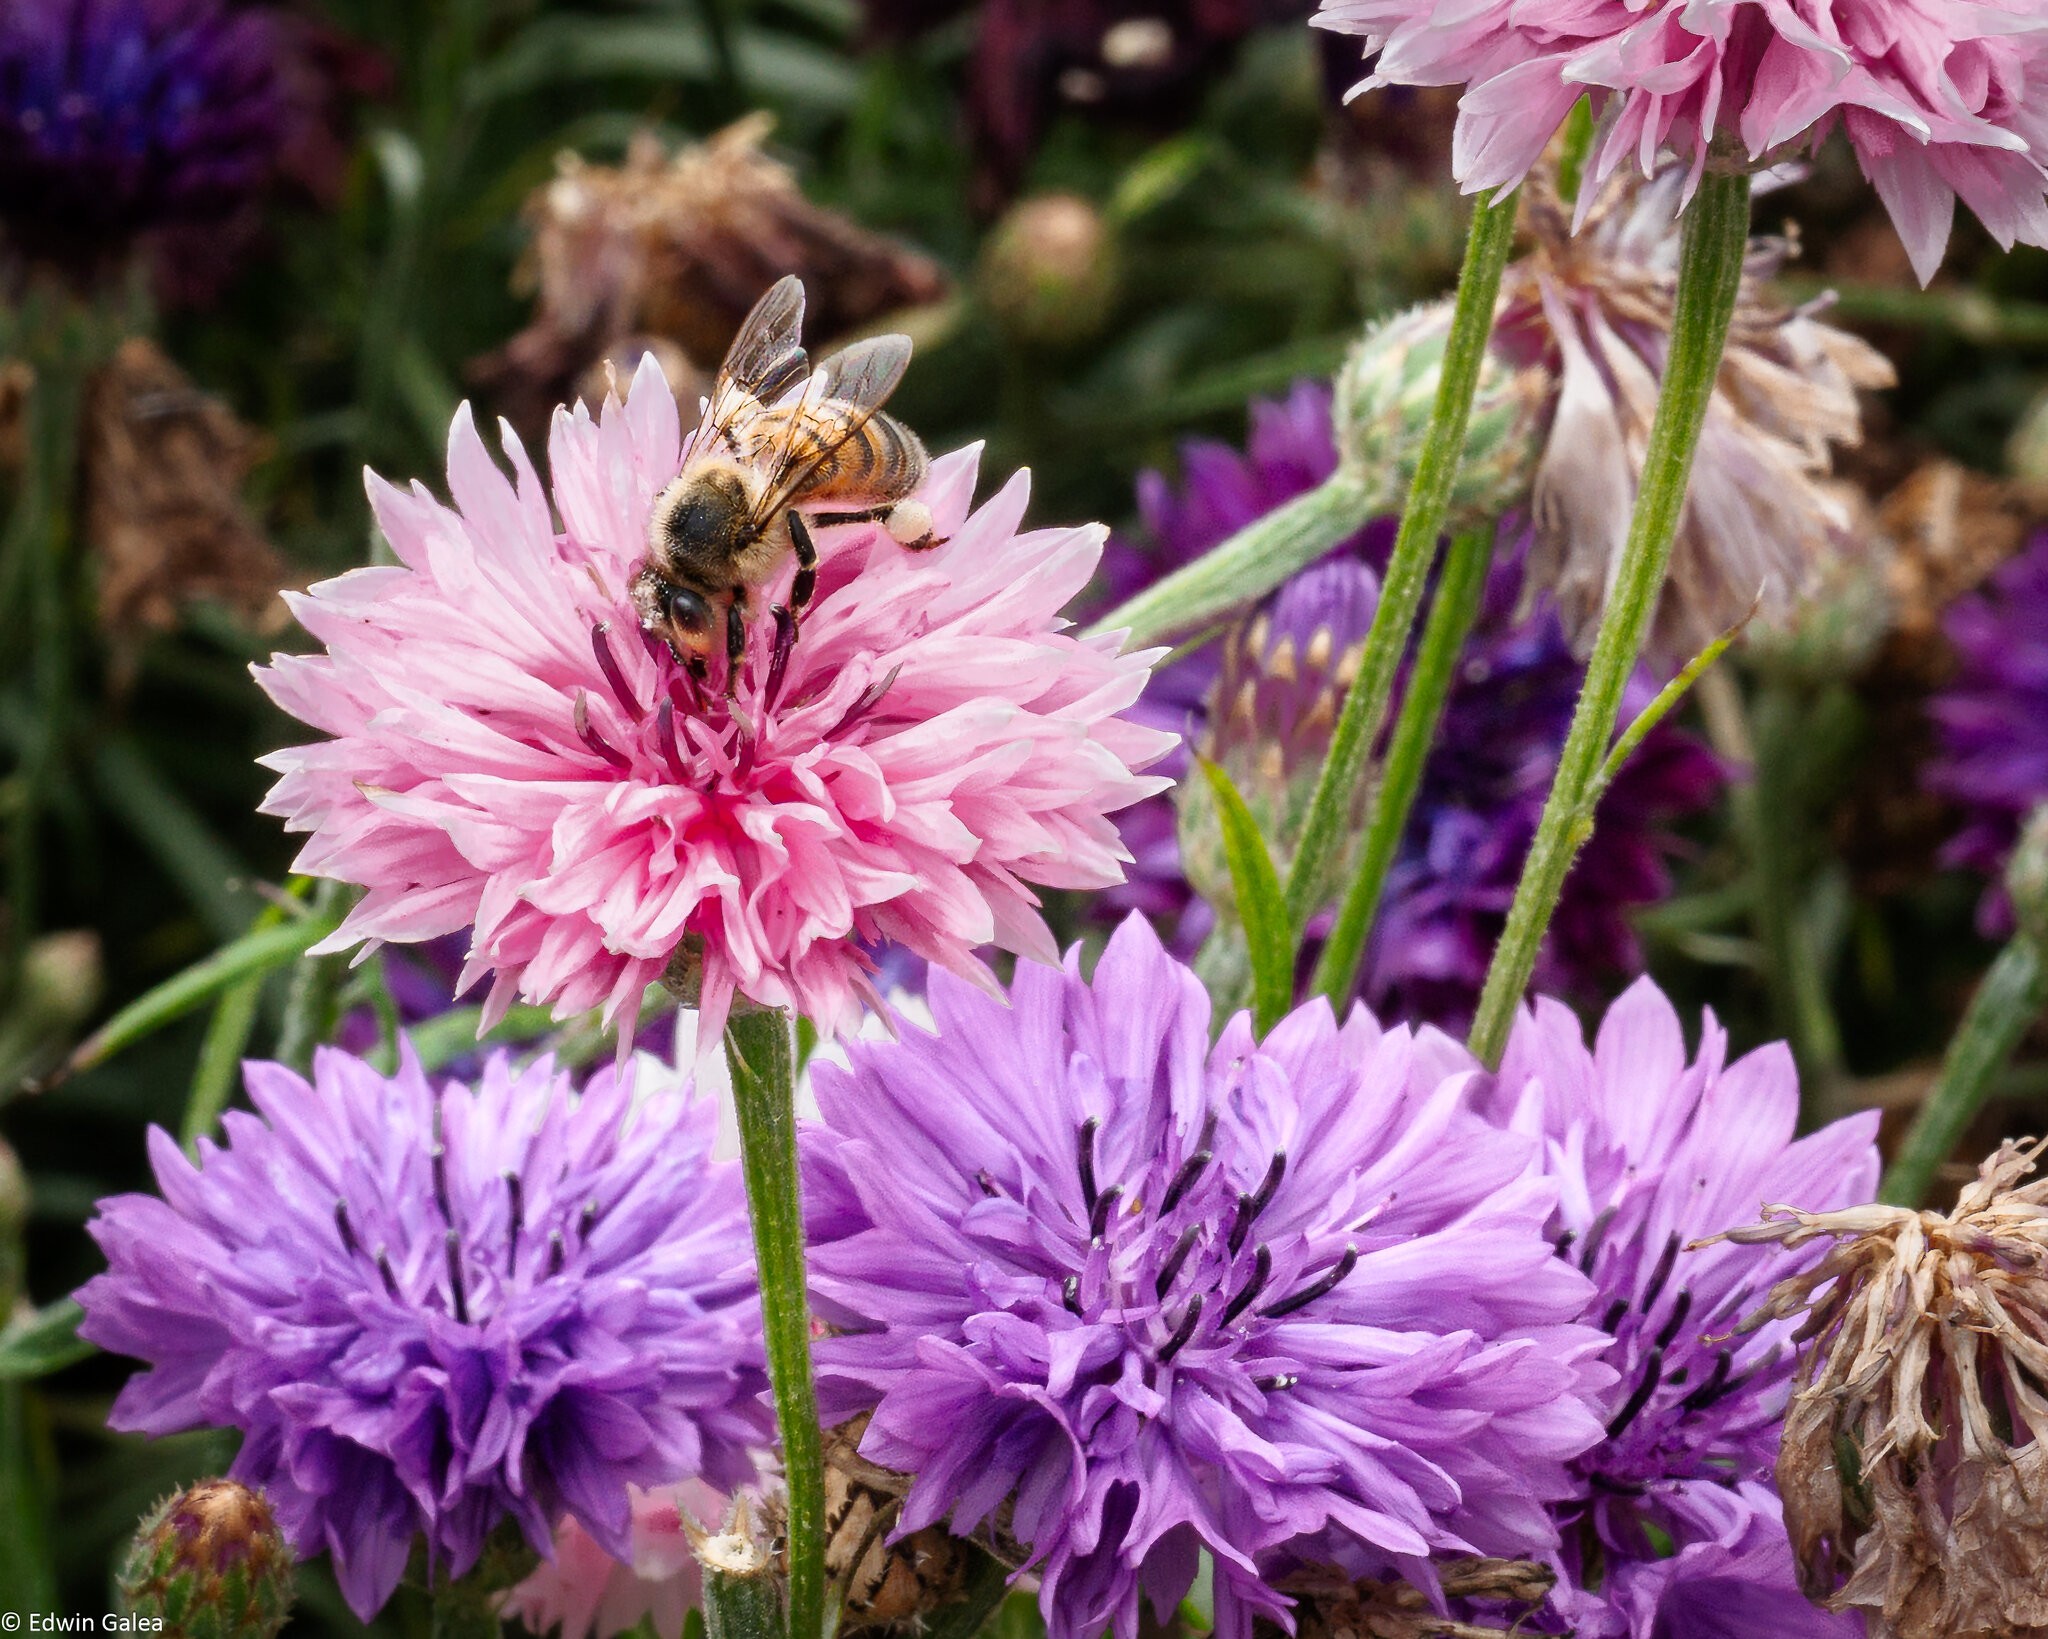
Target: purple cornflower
(118,117)
(429,1309)
(1651,1154)
(1496,750)
(1992,719)
(1288,1296)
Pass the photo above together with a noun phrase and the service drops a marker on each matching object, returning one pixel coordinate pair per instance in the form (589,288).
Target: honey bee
(776,437)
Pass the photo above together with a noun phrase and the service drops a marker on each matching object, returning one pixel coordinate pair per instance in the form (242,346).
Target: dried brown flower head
(676,249)
(1328,1607)
(1596,306)
(1913,1467)
(161,470)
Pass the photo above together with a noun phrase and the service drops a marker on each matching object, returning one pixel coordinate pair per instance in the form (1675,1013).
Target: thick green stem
(761,1052)
(2007,1003)
(1422,522)
(1451,614)
(1716,238)
(1251,563)
(312,1004)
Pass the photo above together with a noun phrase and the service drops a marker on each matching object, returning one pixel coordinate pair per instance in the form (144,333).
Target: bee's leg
(909,523)
(806,581)
(735,639)
(867,515)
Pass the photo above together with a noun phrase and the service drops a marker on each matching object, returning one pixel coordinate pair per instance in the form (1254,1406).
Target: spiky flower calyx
(210,1563)
(1913,1466)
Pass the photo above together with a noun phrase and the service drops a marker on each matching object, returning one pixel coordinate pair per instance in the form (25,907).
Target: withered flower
(1913,1468)
(1595,307)
(670,251)
(1328,1607)
(162,466)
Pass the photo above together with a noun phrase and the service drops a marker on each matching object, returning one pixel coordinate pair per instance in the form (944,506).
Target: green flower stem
(1716,238)
(1492,236)
(761,1051)
(1250,563)
(1451,615)
(312,1004)
(2007,1003)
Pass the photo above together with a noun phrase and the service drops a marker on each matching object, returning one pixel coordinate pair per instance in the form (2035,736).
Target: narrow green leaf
(1261,901)
(220,1057)
(42,1342)
(255,953)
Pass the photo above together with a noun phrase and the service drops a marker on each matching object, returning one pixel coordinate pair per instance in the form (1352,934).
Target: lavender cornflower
(1992,719)
(118,117)
(1281,1296)
(1652,1153)
(1496,750)
(429,1309)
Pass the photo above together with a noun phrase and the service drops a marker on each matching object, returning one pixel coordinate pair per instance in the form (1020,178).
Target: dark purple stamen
(1662,1273)
(778,660)
(454,1245)
(1273,1385)
(1681,1306)
(1250,1206)
(608,663)
(1618,1488)
(384,1269)
(1653,1374)
(1084,1147)
(1184,1331)
(1105,1209)
(1190,1174)
(586,1220)
(1331,1279)
(665,739)
(1594,1236)
(556,1252)
(517,1219)
(438,1156)
(1070,1294)
(987,1183)
(1262,1271)
(1716,1386)
(1612,1318)
(870,698)
(1564,1242)
(594,740)
(1174,1260)
(343,1228)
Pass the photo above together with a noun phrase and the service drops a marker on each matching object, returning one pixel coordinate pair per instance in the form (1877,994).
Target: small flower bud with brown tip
(1913,1468)
(210,1563)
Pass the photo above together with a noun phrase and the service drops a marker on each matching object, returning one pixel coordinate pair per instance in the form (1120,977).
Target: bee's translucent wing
(829,410)
(765,361)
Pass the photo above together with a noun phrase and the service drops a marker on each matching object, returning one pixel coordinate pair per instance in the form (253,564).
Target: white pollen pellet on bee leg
(910,523)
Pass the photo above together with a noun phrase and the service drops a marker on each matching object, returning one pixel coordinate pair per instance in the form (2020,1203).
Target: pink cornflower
(1939,98)
(587,1594)
(509,754)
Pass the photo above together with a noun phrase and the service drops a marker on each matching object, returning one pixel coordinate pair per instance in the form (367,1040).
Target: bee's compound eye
(691,618)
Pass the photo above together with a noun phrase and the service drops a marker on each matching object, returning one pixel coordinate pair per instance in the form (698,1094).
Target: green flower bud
(1049,270)
(1387,390)
(210,1563)
(2026,878)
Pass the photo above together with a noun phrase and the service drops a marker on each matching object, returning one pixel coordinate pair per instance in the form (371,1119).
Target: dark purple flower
(1496,750)
(1992,719)
(1288,1296)
(430,1309)
(118,117)
(1651,1154)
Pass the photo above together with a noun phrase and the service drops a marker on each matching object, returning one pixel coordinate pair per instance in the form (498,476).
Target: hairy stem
(1422,521)
(2007,1003)
(1716,238)
(761,1052)
(1451,614)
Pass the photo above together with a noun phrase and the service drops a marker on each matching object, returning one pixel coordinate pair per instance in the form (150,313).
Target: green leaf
(42,1342)
(1261,901)
(255,953)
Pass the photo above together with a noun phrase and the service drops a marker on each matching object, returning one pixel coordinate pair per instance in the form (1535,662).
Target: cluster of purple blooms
(1992,721)
(1335,1298)
(1495,753)
(122,116)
